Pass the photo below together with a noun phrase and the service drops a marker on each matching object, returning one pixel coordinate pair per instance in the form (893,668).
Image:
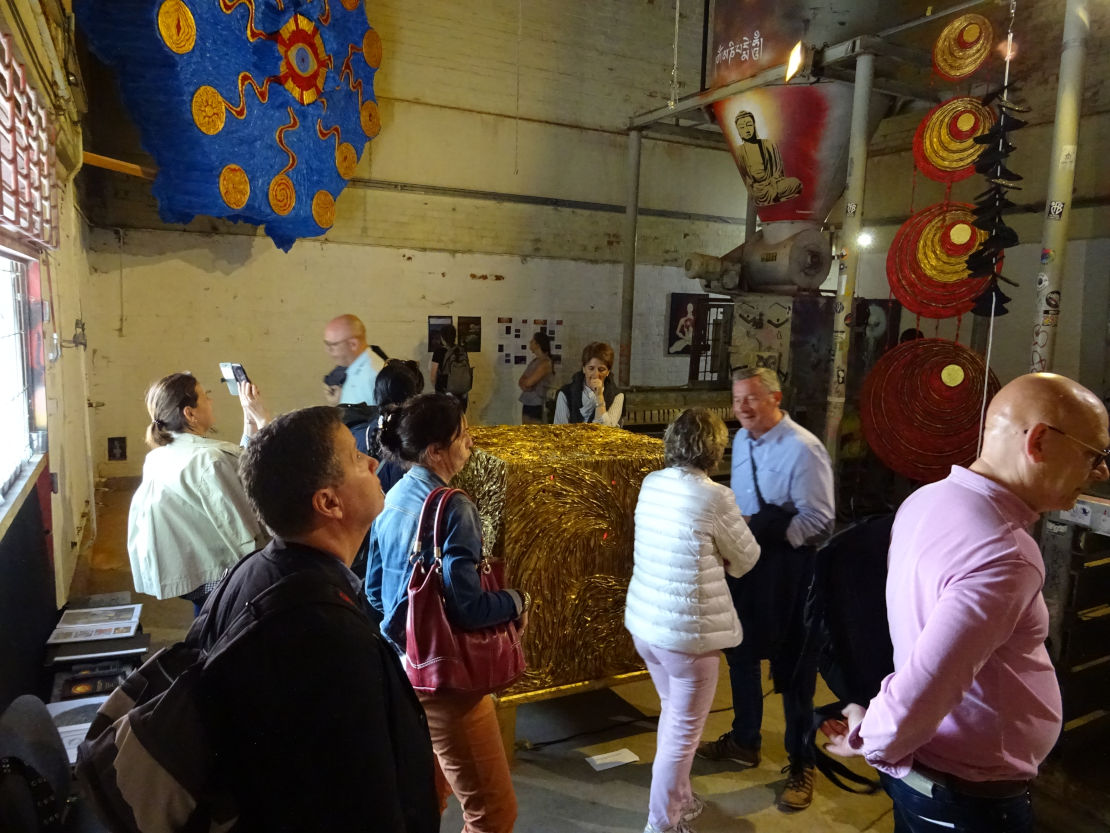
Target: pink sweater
(974,693)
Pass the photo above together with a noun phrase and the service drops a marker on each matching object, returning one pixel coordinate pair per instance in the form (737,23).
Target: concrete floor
(558,791)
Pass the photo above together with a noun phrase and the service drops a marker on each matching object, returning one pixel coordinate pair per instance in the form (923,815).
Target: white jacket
(687,529)
(190,518)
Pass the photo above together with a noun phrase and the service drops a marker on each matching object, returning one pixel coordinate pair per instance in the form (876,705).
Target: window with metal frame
(15,372)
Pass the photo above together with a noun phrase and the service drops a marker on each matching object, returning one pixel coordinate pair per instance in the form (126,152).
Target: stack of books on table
(95,635)
(91,651)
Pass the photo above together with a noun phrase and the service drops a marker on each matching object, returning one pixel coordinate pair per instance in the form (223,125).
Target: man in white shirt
(345,341)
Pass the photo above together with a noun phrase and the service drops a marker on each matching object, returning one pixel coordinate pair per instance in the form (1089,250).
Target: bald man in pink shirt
(973,707)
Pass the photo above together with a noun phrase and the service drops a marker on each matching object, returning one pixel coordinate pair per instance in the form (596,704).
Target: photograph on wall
(470,333)
(434,323)
(681,318)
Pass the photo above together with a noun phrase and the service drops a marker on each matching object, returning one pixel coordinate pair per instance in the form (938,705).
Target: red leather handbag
(440,658)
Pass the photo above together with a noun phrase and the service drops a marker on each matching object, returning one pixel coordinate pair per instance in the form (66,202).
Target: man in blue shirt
(345,341)
(782,478)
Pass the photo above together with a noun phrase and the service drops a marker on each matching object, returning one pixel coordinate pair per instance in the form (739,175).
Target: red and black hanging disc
(920,407)
(926,263)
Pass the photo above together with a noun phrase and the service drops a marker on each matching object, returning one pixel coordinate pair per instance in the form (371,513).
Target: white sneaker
(681,827)
(694,808)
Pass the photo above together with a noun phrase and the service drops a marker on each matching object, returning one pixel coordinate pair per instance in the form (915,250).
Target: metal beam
(628,282)
(849,265)
(1061,179)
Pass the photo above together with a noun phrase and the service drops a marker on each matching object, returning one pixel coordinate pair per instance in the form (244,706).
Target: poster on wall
(434,324)
(515,333)
(470,333)
(681,319)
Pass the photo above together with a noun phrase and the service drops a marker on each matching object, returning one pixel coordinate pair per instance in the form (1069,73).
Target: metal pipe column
(849,265)
(1061,177)
(628,284)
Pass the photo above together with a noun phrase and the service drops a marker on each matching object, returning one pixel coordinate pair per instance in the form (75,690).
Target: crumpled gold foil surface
(557,504)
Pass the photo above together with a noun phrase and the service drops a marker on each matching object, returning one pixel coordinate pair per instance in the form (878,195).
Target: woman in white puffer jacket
(689,532)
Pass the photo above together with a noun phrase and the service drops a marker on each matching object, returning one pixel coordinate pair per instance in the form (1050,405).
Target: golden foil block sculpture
(557,504)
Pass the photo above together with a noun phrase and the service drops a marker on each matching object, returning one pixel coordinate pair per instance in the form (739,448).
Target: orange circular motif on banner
(235,187)
(283,196)
(323,209)
(371,119)
(346,159)
(176,26)
(208,110)
(351,5)
(372,48)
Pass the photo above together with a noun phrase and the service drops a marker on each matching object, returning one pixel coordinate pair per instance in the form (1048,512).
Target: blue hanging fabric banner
(255,110)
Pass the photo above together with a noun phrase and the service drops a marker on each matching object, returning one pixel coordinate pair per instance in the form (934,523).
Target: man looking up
(973,706)
(783,481)
(313,720)
(345,341)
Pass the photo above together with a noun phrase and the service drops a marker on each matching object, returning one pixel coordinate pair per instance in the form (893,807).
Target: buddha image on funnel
(760,165)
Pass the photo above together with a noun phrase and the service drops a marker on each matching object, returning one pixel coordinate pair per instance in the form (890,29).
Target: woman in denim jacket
(430,433)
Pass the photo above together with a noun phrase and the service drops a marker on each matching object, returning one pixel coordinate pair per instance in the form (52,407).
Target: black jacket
(317,726)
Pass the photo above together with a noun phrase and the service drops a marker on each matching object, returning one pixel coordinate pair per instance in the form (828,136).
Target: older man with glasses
(345,342)
(973,707)
(782,478)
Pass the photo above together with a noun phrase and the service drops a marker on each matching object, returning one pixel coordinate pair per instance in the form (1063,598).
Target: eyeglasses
(1101,454)
(336,343)
(750,400)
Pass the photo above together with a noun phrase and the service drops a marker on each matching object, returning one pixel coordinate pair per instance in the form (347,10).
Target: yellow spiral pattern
(209,112)
(346,160)
(283,195)
(372,48)
(952,58)
(235,187)
(177,26)
(323,209)
(934,260)
(370,118)
(947,152)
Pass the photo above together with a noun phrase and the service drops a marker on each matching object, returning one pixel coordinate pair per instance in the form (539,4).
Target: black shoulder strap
(755,477)
(302,588)
(830,767)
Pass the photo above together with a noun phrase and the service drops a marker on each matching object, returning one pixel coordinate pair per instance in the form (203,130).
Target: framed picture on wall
(470,333)
(682,316)
(434,323)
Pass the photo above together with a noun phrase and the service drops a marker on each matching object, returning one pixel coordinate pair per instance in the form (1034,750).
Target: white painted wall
(167,301)
(65,272)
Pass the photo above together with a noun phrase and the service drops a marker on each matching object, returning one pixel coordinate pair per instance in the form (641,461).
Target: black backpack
(847,630)
(455,372)
(148,762)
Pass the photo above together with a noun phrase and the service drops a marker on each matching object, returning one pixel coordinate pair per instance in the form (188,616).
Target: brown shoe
(725,749)
(798,792)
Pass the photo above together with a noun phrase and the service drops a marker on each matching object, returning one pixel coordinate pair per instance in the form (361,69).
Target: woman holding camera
(429,432)
(190,518)
(689,534)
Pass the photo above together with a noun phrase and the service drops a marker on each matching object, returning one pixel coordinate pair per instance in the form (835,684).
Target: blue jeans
(746,676)
(950,811)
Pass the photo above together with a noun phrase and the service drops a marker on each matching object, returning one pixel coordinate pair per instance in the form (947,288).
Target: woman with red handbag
(430,433)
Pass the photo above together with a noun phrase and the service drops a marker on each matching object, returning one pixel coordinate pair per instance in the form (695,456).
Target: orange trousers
(470,761)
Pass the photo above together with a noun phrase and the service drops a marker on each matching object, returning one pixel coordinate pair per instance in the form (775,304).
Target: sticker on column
(1047,256)
(1053,299)
(1056,210)
(1067,158)
(1042,280)
(851,209)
